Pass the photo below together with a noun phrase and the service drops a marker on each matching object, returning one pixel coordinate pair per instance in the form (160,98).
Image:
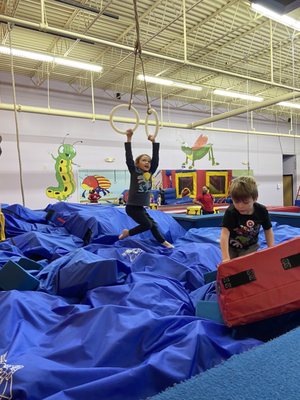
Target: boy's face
(144,163)
(245,206)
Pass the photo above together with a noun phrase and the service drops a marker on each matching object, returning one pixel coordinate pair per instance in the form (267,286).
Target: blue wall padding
(170,194)
(12,276)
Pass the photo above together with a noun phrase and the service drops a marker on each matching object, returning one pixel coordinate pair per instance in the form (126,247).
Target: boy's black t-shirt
(244,229)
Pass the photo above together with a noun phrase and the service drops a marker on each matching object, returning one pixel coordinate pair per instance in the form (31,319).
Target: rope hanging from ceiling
(150,110)
(16,117)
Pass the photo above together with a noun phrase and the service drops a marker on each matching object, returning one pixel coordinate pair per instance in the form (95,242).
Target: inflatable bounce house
(182,186)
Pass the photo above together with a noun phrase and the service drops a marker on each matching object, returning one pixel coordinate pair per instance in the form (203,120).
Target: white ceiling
(214,44)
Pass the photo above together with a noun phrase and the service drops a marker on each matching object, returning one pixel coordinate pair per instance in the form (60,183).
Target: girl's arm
(155,154)
(128,150)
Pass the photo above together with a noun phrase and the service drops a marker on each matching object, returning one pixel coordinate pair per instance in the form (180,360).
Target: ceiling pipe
(75,35)
(101,117)
(247,132)
(242,110)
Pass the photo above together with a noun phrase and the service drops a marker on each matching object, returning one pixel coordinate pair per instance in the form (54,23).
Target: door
(288,190)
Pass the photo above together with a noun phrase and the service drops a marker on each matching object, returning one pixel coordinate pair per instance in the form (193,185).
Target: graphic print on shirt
(144,182)
(6,378)
(245,234)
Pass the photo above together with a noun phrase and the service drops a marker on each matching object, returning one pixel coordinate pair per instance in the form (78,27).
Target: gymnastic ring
(111,118)
(152,111)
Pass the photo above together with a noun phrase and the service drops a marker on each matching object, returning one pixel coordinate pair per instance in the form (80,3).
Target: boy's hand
(225,259)
(151,138)
(129,134)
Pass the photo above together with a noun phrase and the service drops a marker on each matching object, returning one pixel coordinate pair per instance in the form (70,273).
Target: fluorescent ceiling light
(47,58)
(26,54)
(77,64)
(237,95)
(282,19)
(187,86)
(167,82)
(154,79)
(287,104)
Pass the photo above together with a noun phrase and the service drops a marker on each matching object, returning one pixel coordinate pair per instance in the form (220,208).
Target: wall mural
(199,150)
(64,173)
(108,184)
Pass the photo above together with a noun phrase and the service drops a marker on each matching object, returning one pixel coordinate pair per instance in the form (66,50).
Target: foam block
(13,276)
(210,277)
(209,310)
(260,285)
(28,264)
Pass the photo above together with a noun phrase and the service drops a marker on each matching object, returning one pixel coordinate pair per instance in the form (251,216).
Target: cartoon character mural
(199,149)
(64,173)
(100,184)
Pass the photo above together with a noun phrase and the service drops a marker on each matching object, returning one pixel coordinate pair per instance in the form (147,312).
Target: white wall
(40,136)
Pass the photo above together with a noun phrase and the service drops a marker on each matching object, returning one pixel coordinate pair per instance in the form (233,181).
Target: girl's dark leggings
(145,222)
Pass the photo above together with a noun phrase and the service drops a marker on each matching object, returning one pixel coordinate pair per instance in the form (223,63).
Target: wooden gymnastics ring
(111,118)
(150,112)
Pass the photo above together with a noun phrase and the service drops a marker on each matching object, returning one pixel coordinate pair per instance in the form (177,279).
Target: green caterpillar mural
(64,173)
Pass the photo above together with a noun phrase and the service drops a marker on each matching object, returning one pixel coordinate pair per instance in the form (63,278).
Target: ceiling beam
(49,29)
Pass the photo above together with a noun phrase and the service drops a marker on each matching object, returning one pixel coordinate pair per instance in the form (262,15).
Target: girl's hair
(243,187)
(140,156)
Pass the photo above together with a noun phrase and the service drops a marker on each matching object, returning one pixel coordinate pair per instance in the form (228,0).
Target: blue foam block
(210,277)
(28,264)
(12,276)
(209,310)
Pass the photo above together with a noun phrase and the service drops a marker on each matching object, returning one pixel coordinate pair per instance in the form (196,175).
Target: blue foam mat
(269,372)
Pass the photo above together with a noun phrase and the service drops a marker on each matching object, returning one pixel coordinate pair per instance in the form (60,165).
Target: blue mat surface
(111,319)
(269,372)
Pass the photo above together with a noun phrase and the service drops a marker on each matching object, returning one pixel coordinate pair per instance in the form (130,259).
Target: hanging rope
(16,117)
(248,137)
(138,53)
(150,110)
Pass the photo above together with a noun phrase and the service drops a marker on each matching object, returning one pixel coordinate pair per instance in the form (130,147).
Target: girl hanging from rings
(141,171)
